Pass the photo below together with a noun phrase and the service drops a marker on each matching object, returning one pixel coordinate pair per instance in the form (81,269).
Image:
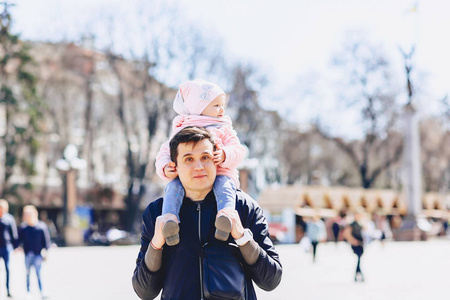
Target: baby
(202,103)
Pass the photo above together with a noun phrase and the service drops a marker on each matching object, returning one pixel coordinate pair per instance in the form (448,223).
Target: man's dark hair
(186,135)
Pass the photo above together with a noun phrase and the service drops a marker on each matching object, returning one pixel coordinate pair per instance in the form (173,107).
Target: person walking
(316,232)
(337,225)
(200,266)
(354,234)
(8,238)
(34,237)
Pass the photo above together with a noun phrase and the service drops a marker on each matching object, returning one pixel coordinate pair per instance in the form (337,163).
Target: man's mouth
(199,176)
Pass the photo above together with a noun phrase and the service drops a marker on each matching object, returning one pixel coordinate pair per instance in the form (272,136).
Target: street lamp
(68,166)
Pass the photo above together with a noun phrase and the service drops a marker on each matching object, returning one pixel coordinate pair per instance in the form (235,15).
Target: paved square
(397,270)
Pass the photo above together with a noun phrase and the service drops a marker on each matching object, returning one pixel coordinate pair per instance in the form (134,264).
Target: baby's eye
(189,159)
(206,157)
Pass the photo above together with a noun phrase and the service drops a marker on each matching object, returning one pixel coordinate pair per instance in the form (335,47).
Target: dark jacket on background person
(8,231)
(357,231)
(34,238)
(179,276)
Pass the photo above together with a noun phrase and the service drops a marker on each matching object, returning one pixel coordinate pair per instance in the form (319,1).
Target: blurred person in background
(8,237)
(316,232)
(337,225)
(34,237)
(382,225)
(445,225)
(354,234)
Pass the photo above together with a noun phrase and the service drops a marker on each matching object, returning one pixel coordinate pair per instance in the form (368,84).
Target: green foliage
(10,161)
(7,96)
(21,103)
(28,166)
(5,59)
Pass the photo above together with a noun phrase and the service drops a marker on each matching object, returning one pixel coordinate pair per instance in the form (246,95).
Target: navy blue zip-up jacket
(34,238)
(179,275)
(8,231)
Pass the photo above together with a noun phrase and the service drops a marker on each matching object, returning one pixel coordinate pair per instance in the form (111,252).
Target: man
(35,239)
(8,237)
(178,270)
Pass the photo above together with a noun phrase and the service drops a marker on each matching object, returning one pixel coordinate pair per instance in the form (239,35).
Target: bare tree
(369,88)
(435,154)
(253,125)
(144,101)
(144,109)
(63,70)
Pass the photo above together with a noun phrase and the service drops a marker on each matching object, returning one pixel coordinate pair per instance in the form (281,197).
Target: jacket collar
(210,199)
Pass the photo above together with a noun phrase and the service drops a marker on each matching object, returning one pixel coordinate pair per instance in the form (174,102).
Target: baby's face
(216,108)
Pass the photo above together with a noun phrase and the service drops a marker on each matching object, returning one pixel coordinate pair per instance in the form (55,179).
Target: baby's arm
(165,168)
(170,170)
(219,155)
(232,148)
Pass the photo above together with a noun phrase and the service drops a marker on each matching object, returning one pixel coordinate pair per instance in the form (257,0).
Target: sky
(294,38)
(290,40)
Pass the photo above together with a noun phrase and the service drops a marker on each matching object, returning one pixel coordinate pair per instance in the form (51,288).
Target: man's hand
(219,156)
(158,239)
(237,230)
(170,170)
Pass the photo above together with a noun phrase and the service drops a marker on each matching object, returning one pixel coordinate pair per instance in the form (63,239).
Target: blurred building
(290,205)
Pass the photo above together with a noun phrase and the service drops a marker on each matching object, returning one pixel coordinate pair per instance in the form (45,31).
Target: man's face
(196,168)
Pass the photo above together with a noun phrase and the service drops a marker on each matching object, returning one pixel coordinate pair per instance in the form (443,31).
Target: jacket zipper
(199,209)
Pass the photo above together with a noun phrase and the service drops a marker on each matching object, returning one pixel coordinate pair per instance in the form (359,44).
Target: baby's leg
(173,198)
(225,192)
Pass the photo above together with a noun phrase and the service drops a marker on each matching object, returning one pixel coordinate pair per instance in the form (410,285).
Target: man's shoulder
(41,225)
(6,220)
(154,207)
(9,217)
(245,200)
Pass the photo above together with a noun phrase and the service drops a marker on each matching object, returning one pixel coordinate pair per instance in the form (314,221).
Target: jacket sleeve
(266,272)
(46,232)
(162,159)
(14,233)
(234,151)
(146,284)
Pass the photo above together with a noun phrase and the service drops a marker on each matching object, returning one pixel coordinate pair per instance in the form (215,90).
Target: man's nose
(198,165)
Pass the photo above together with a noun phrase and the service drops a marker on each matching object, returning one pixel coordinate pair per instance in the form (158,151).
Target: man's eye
(189,159)
(206,157)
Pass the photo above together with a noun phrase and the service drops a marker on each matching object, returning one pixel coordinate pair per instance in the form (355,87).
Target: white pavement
(399,270)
